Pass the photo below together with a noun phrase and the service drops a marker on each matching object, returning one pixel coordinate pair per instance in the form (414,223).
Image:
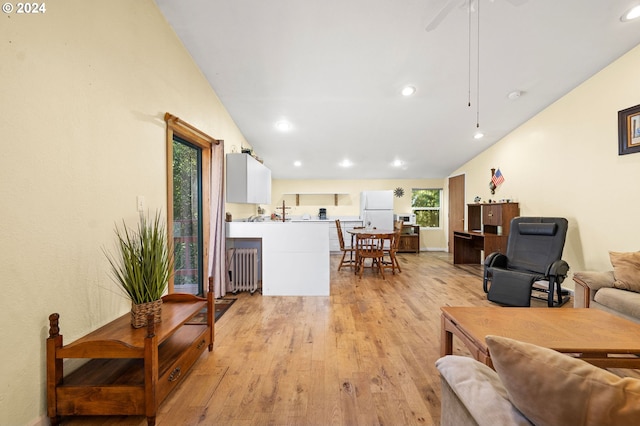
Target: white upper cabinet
(248,180)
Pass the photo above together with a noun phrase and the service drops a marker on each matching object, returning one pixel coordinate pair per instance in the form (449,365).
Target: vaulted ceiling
(334,70)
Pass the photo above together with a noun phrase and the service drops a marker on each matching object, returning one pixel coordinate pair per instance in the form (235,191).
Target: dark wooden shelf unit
(130,371)
(409,239)
(488,227)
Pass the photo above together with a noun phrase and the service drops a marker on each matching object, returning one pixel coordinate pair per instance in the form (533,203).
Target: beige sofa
(533,385)
(597,290)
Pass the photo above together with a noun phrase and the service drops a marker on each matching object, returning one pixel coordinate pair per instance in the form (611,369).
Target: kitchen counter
(295,255)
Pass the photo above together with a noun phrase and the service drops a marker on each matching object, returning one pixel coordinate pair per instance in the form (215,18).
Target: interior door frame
(456,207)
(185,131)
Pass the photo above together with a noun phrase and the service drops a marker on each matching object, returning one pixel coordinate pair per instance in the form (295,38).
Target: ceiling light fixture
(514,95)
(397,163)
(631,14)
(478,135)
(283,126)
(297,163)
(408,91)
(346,163)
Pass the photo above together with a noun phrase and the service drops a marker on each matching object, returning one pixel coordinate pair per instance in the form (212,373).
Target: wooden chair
(390,253)
(370,246)
(351,261)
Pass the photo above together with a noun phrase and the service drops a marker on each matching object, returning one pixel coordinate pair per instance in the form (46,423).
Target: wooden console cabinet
(409,239)
(487,231)
(130,371)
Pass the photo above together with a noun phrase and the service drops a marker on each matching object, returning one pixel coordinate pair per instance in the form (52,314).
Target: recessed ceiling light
(397,163)
(283,126)
(478,135)
(297,163)
(408,91)
(631,14)
(346,163)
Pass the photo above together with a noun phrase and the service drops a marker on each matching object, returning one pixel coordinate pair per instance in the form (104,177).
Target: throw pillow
(551,388)
(626,270)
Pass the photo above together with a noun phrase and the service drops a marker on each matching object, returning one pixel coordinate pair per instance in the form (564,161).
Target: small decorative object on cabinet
(142,267)
(409,239)
(130,371)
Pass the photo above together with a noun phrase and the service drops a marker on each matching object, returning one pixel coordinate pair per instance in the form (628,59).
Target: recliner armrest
(495,259)
(559,268)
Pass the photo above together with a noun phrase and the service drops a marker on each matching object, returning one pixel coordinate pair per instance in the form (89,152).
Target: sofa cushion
(622,301)
(551,388)
(626,270)
(479,389)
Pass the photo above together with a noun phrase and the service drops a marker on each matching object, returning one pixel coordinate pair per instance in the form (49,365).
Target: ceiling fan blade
(450,4)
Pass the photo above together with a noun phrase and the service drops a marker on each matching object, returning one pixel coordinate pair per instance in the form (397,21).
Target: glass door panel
(187,217)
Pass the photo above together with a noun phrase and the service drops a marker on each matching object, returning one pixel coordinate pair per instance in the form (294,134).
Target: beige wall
(565,162)
(84,90)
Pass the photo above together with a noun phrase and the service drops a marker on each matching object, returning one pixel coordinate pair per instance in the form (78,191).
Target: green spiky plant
(144,262)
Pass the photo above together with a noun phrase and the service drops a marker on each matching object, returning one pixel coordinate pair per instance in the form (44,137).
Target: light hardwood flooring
(363,356)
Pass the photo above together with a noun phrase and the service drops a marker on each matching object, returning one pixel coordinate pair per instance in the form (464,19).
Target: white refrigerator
(376,209)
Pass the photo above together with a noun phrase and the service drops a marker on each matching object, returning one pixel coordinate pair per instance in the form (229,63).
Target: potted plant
(142,267)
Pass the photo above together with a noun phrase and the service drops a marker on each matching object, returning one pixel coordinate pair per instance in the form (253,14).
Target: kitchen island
(295,255)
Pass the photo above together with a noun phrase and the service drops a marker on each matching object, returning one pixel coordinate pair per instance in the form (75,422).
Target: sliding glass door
(187,217)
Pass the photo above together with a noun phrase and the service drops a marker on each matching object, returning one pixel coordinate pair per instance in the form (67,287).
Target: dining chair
(390,252)
(370,246)
(351,260)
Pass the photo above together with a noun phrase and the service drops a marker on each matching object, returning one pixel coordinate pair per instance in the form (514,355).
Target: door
(187,217)
(456,207)
(192,178)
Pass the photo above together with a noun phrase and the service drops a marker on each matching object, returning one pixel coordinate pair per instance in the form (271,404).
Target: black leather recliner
(534,251)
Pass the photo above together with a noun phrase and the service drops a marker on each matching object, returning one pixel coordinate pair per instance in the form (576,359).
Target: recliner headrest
(547,229)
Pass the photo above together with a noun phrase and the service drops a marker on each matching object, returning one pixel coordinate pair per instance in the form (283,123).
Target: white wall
(565,162)
(84,90)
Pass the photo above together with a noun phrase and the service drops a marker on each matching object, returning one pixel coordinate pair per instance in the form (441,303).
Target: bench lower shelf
(119,384)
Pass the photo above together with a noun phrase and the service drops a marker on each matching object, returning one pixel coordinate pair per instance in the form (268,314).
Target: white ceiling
(335,68)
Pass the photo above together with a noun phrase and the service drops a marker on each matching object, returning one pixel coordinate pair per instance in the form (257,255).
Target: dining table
(385,234)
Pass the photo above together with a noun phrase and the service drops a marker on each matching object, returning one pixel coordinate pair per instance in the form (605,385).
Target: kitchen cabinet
(248,180)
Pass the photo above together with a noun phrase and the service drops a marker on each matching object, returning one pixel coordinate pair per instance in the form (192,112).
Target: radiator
(243,269)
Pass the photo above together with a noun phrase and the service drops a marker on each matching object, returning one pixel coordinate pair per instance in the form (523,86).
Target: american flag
(497,178)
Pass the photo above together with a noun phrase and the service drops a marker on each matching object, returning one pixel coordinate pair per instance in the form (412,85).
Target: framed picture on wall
(629,130)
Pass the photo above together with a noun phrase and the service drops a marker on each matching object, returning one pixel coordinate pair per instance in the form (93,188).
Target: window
(426,205)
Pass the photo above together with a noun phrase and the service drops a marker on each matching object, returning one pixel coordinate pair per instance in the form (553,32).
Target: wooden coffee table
(592,335)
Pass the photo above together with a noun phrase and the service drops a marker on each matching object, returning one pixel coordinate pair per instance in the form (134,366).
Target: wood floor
(363,356)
